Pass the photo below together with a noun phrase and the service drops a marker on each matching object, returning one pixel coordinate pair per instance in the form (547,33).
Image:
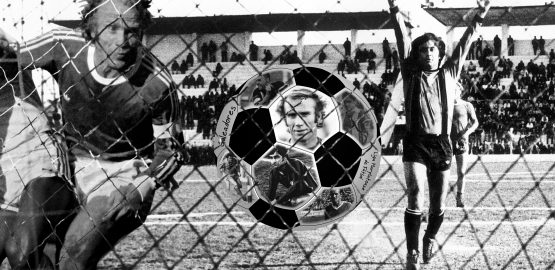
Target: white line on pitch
(468,209)
(195,214)
(454,179)
(192,215)
(523,223)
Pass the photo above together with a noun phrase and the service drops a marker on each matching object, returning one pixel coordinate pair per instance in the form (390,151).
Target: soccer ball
(298,147)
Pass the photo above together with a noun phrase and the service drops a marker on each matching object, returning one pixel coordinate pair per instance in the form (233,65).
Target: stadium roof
(263,23)
(512,16)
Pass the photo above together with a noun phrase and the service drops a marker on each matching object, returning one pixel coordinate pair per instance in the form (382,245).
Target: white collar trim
(103,80)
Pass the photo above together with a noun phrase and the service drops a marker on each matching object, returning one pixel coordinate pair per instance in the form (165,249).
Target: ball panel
(286,175)
(262,89)
(357,117)
(328,207)
(326,129)
(252,134)
(318,79)
(229,113)
(368,169)
(337,154)
(273,216)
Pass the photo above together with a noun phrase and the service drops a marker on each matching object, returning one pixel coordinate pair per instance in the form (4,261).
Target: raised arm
(401,31)
(45,51)
(456,62)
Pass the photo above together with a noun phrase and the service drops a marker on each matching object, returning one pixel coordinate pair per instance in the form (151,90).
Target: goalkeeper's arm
(169,156)
(169,151)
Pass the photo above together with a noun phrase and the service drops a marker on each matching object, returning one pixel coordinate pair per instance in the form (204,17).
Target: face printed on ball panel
(117,38)
(335,198)
(301,120)
(428,55)
(350,105)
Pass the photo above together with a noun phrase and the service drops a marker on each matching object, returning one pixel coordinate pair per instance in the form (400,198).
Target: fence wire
(508,220)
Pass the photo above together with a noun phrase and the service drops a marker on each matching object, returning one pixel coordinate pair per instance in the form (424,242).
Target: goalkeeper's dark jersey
(116,118)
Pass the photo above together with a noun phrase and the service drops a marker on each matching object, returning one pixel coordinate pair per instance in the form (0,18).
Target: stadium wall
(169,47)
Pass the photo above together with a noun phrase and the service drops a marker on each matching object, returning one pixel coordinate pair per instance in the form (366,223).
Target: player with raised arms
(120,109)
(429,84)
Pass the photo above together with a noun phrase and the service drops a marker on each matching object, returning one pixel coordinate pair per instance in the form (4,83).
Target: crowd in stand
(526,108)
(514,118)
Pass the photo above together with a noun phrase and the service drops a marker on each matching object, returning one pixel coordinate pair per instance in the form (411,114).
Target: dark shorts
(459,147)
(433,151)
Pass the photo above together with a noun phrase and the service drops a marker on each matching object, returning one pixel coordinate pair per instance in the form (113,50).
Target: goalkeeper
(120,109)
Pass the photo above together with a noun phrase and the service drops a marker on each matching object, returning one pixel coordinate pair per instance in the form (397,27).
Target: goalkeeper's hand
(165,164)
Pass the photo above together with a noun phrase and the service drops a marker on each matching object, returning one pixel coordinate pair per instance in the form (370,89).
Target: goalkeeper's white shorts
(28,150)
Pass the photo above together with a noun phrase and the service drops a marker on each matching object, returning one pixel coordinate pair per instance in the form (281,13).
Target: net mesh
(507,222)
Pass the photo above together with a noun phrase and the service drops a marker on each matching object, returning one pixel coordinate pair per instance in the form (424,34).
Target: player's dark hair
(87,14)
(296,95)
(415,54)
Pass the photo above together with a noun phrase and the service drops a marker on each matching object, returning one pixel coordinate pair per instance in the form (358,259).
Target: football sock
(412,228)
(434,223)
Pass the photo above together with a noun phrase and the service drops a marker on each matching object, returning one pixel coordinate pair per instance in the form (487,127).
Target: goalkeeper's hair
(91,7)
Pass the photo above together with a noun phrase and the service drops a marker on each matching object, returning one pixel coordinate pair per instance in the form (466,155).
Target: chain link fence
(508,221)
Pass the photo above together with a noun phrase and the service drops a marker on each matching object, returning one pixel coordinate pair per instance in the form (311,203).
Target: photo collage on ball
(300,141)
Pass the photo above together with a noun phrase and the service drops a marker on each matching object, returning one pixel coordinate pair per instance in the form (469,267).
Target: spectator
(241,58)
(535,45)
(190,81)
(371,66)
(386,48)
(190,59)
(268,56)
(224,86)
(253,51)
(358,54)
(541,45)
(341,67)
(472,51)
(479,47)
(395,56)
(371,55)
(175,67)
(356,83)
(223,50)
(183,67)
(200,81)
(347,47)
(511,45)
(212,49)
(213,84)
(204,52)
(322,56)
(496,46)
(218,69)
